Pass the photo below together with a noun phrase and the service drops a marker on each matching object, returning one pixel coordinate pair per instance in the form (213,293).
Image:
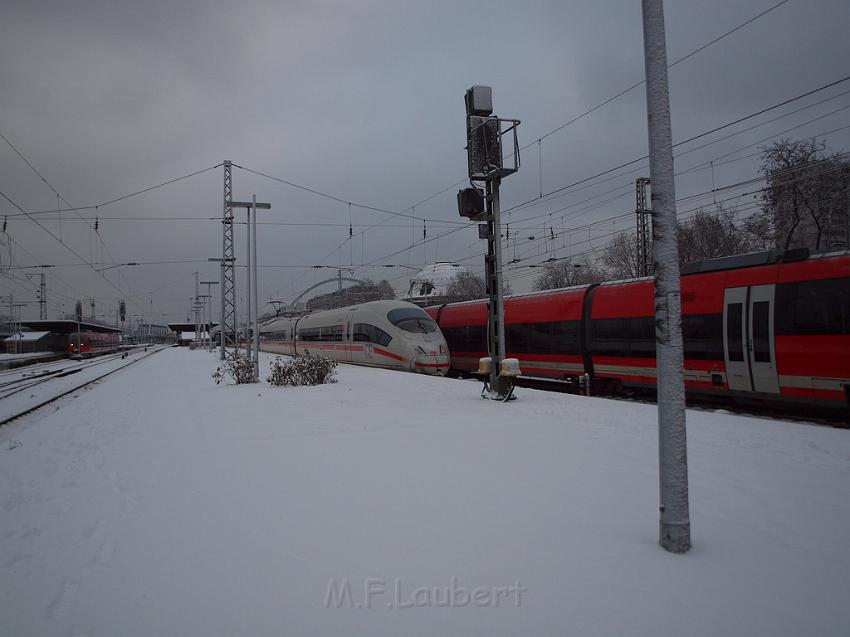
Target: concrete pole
(256,303)
(675,525)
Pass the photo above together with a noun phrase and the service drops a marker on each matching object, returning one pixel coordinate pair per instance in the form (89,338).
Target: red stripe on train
(384,352)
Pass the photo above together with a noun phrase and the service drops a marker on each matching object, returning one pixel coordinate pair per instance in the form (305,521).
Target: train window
(734,335)
(609,337)
(308,334)
(559,337)
(642,336)
(633,336)
(813,307)
(529,338)
(331,333)
(326,333)
(702,334)
(465,339)
(539,338)
(761,331)
(565,337)
(366,333)
(412,319)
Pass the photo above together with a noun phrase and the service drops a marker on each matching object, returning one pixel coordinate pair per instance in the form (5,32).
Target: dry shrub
(303,370)
(240,368)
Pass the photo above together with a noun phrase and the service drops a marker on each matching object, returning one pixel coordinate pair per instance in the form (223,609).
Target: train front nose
(435,364)
(432,358)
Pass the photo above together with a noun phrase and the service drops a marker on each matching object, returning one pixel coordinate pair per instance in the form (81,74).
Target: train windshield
(412,319)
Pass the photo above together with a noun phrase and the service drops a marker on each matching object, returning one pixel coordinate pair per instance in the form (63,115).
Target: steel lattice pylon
(228,278)
(644,256)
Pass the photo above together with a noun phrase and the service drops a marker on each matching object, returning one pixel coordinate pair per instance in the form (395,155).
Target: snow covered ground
(27,387)
(157,503)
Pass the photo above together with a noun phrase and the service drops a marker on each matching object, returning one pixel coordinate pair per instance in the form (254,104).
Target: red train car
(772,327)
(93,344)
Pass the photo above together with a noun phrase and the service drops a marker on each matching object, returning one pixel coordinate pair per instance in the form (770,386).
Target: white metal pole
(256,304)
(675,525)
(248,274)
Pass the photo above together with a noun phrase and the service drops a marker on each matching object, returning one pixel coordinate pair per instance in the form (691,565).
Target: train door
(748,344)
(762,351)
(735,339)
(348,337)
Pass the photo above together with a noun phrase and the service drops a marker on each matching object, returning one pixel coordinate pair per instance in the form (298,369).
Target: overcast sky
(364,100)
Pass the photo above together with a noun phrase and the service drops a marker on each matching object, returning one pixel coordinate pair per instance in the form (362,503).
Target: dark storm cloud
(359,99)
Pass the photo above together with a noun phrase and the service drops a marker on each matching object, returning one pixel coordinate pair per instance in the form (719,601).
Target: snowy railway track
(822,416)
(28,380)
(50,381)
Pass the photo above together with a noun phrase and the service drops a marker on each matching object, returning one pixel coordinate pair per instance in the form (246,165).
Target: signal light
(470,203)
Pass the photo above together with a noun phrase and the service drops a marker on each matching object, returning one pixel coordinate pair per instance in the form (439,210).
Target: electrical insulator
(96,224)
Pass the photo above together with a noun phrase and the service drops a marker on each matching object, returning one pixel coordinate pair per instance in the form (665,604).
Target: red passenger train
(93,344)
(773,327)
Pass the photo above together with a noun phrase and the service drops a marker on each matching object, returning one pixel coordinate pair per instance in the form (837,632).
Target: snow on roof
(439,276)
(27,336)
(191,336)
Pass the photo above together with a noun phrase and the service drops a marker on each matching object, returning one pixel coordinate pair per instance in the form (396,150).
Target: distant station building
(186,336)
(152,333)
(430,286)
(29,342)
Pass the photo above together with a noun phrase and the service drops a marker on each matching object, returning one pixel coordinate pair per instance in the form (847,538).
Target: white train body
(392,334)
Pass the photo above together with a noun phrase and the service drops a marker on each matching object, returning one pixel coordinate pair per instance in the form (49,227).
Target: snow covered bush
(304,370)
(240,368)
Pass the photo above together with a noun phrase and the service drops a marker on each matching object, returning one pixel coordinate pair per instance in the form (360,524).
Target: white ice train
(392,334)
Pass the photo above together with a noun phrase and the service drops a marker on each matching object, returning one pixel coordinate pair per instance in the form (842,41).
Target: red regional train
(770,327)
(93,344)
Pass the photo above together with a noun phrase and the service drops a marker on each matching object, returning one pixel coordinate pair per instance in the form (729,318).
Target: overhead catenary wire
(588,111)
(95,207)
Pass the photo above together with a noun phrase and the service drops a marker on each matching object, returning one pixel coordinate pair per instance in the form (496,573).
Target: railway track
(822,416)
(33,378)
(44,378)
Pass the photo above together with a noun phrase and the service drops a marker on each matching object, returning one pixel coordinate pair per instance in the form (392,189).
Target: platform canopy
(67,326)
(188,327)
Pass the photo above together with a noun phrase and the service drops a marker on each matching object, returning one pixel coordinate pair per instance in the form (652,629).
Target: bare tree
(466,286)
(566,273)
(621,257)
(710,234)
(806,198)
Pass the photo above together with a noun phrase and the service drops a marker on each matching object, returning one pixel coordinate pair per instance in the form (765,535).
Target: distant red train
(93,344)
(772,327)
